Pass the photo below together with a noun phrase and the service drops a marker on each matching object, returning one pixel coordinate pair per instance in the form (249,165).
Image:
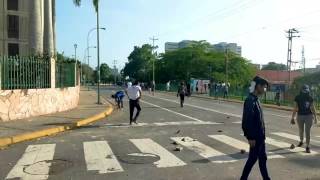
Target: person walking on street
(188,89)
(134,94)
(182,93)
(253,127)
(306,114)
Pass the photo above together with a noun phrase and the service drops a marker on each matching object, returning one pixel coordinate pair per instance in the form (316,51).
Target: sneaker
(308,150)
(300,144)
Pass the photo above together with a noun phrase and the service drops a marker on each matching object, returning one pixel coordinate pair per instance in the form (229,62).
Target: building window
(13,5)
(13,26)
(13,49)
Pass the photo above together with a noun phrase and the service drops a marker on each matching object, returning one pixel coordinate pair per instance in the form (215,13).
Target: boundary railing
(25,73)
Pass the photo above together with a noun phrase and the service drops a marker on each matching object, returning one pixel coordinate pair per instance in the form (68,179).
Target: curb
(6,141)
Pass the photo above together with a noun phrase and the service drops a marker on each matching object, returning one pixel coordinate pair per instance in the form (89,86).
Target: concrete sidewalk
(86,112)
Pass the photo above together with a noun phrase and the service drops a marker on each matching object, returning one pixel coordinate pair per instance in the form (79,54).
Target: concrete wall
(19,104)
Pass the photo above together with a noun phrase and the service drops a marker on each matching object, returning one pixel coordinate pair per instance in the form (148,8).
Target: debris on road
(292,146)
(242,151)
(174,143)
(178,148)
(178,132)
(220,131)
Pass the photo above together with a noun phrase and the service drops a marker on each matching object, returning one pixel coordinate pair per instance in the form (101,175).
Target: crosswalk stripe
(33,164)
(203,150)
(99,157)
(286,146)
(167,159)
(239,144)
(293,137)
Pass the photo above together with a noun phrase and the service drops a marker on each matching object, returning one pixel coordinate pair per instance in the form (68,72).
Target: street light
(84,59)
(98,49)
(88,38)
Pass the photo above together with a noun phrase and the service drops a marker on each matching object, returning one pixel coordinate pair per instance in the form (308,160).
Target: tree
(311,79)
(139,64)
(88,73)
(275,66)
(199,63)
(106,73)
(95,3)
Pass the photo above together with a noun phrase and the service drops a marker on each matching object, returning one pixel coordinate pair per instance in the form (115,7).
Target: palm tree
(96,6)
(95,3)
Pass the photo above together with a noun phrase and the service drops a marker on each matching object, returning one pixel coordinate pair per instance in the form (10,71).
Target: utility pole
(226,61)
(153,70)
(303,61)
(115,71)
(291,35)
(75,57)
(98,52)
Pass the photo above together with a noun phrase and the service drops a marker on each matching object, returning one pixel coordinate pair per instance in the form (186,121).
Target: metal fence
(24,73)
(287,98)
(66,74)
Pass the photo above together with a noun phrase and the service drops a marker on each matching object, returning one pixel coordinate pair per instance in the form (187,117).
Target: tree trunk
(35,32)
(48,29)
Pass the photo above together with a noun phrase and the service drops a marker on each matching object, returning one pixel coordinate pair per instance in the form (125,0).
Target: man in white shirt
(134,94)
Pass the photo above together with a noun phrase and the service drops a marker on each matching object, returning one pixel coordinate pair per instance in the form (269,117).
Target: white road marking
(237,122)
(286,146)
(204,150)
(99,157)
(239,144)
(199,107)
(177,123)
(293,137)
(172,111)
(185,123)
(281,116)
(217,111)
(167,159)
(33,165)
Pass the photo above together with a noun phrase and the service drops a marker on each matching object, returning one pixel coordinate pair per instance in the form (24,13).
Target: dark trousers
(119,102)
(257,152)
(182,99)
(134,104)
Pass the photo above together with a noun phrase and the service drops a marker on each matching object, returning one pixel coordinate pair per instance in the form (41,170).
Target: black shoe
(308,150)
(300,144)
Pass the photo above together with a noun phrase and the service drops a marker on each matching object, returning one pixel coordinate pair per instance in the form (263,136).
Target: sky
(259,26)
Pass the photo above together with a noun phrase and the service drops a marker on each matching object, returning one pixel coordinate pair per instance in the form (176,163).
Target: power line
(291,34)
(222,13)
(153,48)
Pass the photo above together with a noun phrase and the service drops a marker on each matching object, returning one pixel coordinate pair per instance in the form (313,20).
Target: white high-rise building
(220,47)
(27,27)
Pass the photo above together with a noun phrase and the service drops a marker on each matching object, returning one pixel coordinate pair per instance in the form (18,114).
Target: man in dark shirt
(254,129)
(305,108)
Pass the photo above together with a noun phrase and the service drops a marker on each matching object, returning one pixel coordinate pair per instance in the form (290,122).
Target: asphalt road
(209,133)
